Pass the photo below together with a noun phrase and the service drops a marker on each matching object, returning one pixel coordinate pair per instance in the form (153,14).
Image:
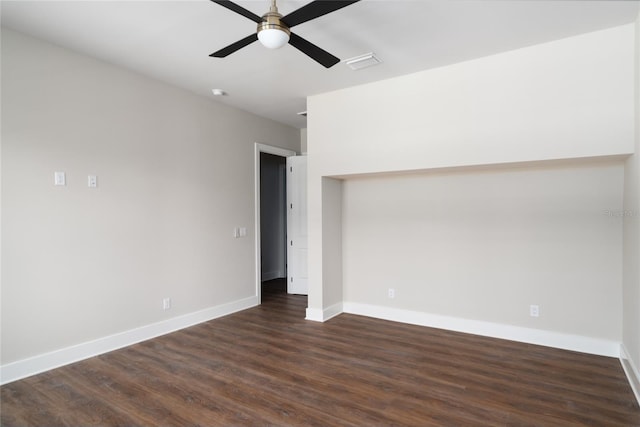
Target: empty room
(292,213)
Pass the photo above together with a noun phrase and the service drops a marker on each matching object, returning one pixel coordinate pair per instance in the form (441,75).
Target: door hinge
(292,243)
(290,168)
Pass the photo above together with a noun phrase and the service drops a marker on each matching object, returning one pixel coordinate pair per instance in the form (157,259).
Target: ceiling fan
(274,29)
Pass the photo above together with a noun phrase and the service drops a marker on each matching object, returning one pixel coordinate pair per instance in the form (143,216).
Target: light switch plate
(59,178)
(92,181)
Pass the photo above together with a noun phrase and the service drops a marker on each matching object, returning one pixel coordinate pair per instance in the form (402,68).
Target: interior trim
(631,370)
(55,359)
(597,346)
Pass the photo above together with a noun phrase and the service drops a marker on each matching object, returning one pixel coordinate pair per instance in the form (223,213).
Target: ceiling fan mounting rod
(272,20)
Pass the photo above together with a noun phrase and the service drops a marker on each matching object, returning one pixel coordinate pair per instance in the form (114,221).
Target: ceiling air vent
(363,61)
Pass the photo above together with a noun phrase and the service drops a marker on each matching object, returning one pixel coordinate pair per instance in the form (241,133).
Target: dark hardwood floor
(268,366)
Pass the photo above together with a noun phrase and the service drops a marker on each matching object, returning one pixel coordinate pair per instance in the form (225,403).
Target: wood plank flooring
(268,366)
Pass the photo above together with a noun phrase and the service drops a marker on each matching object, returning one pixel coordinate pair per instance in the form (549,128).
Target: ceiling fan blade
(235,46)
(314,10)
(312,51)
(239,9)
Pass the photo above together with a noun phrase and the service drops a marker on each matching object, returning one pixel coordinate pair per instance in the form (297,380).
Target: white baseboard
(332,311)
(314,314)
(44,362)
(631,370)
(270,275)
(318,315)
(561,340)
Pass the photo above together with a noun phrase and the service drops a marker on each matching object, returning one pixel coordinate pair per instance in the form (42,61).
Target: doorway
(271,216)
(273,223)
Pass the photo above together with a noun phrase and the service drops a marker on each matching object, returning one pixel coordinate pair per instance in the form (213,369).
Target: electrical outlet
(166,303)
(391,293)
(534,310)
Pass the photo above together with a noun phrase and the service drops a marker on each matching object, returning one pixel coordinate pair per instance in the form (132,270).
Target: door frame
(277,151)
(297,227)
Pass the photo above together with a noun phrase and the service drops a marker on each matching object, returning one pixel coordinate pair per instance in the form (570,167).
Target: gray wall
(631,217)
(175,177)
(485,245)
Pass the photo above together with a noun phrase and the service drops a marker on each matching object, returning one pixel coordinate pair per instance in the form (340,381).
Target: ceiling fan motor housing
(272,32)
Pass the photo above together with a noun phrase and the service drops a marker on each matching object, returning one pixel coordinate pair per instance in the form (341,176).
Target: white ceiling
(171,40)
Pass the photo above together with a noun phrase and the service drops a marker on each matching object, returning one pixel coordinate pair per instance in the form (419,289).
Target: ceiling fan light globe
(273,38)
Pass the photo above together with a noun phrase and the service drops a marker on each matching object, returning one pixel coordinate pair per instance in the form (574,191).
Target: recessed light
(362,61)
(218,92)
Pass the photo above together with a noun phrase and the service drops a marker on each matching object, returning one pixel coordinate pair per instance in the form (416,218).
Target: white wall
(567,99)
(484,245)
(564,99)
(175,176)
(303,141)
(631,267)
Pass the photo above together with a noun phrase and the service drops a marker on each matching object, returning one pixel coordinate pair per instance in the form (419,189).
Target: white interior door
(297,247)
